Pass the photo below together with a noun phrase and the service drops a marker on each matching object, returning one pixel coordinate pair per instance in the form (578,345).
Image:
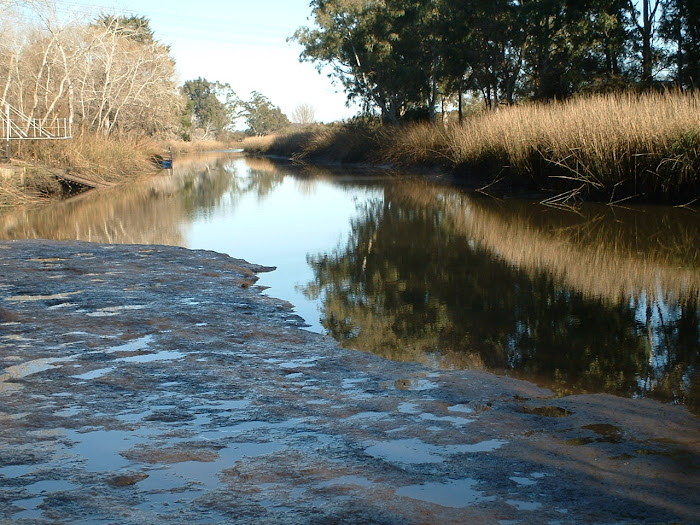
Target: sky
(239,42)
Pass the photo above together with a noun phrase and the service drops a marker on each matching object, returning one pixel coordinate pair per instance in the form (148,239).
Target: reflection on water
(601,300)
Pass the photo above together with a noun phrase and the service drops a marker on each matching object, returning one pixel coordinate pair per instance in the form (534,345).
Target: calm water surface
(599,300)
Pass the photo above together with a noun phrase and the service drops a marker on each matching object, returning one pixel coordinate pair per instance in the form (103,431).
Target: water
(601,299)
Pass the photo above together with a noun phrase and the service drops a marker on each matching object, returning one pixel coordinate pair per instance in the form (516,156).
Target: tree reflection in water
(418,280)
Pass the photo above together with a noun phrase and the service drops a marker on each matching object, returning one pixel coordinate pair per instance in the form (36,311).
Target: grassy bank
(30,177)
(605,147)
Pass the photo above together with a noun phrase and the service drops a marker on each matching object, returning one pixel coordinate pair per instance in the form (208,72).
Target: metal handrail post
(8,149)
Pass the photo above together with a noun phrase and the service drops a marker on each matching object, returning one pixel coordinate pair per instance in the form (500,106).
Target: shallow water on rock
(597,299)
(152,415)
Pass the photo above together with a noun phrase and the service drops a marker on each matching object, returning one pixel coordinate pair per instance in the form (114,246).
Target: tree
(680,28)
(375,51)
(646,30)
(109,75)
(401,56)
(304,114)
(205,110)
(484,51)
(128,78)
(262,116)
(136,28)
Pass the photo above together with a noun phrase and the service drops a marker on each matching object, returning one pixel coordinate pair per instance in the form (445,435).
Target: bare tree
(304,114)
(108,75)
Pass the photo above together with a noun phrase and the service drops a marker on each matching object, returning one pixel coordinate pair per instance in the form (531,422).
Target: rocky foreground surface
(149,384)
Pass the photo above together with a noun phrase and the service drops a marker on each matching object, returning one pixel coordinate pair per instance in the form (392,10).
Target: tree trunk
(646,45)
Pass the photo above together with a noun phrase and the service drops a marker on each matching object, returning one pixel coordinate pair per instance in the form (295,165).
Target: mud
(149,384)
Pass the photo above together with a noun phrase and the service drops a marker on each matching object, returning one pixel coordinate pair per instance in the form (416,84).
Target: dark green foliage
(205,110)
(262,116)
(402,57)
(680,28)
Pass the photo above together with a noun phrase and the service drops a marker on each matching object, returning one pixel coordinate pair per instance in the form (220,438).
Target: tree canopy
(211,107)
(401,57)
(262,116)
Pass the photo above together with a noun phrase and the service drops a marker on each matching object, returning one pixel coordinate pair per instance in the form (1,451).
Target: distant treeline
(405,58)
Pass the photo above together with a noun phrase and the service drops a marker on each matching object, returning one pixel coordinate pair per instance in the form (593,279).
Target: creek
(592,299)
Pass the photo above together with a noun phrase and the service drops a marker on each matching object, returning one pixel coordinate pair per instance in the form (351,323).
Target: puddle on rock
(524,505)
(456,493)
(94,374)
(39,490)
(458,421)
(608,433)
(101,449)
(414,384)
(31,367)
(405,451)
(164,355)
(547,411)
(522,481)
(358,481)
(414,451)
(114,310)
(140,343)
(30,298)
(461,407)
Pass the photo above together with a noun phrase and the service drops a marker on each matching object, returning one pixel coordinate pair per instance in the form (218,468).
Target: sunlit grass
(646,143)
(181,147)
(92,156)
(609,147)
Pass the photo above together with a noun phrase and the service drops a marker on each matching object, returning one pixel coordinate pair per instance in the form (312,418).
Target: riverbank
(156,384)
(32,176)
(609,148)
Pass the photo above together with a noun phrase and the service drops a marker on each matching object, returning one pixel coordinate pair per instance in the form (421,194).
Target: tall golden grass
(24,184)
(608,146)
(648,143)
(96,156)
(335,143)
(92,156)
(181,147)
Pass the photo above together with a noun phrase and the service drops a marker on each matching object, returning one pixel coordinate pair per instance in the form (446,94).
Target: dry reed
(611,147)
(91,156)
(646,143)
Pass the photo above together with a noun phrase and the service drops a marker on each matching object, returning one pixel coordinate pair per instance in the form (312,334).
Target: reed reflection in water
(602,300)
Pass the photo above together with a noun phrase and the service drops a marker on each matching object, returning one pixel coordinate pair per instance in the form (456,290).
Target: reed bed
(283,144)
(109,159)
(606,147)
(351,143)
(25,185)
(181,147)
(92,156)
(611,145)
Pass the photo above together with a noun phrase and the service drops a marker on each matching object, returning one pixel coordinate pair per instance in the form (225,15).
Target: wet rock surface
(149,384)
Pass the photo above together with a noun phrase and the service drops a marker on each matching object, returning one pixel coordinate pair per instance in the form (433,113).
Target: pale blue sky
(239,42)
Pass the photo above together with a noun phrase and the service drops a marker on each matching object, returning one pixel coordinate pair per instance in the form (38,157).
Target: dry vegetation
(605,146)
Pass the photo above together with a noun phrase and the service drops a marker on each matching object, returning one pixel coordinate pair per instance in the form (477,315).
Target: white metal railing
(15,125)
